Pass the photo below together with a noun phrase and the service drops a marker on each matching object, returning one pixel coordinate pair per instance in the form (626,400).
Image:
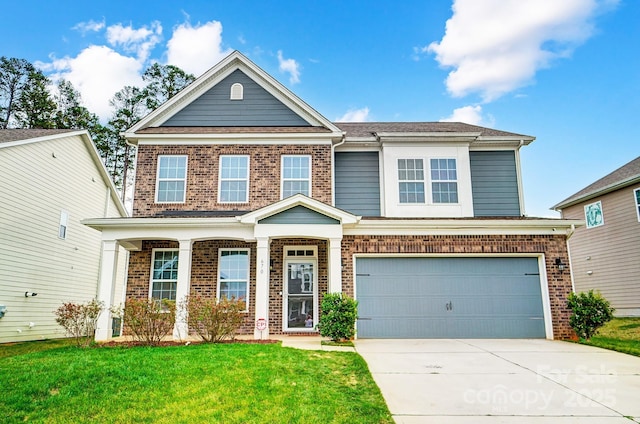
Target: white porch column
(335,265)
(181,328)
(262,288)
(106,287)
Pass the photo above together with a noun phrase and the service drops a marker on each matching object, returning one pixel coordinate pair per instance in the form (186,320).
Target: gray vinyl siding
(215,109)
(607,257)
(298,215)
(358,182)
(411,297)
(494,182)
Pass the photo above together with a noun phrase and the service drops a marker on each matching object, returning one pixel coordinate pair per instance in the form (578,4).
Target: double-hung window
(444,181)
(234,179)
(411,180)
(172,179)
(164,274)
(296,175)
(636,195)
(233,274)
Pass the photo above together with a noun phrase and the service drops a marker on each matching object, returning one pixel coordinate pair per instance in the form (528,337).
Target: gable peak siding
(203,173)
(215,108)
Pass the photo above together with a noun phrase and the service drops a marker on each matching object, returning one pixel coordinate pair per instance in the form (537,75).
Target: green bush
(214,320)
(149,320)
(338,318)
(79,320)
(590,312)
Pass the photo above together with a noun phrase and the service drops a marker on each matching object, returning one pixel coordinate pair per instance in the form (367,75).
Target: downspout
(333,167)
(569,234)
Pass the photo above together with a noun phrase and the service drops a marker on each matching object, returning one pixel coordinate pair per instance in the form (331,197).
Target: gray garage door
(449,298)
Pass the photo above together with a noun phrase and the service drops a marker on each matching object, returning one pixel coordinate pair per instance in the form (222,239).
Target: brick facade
(203,171)
(552,247)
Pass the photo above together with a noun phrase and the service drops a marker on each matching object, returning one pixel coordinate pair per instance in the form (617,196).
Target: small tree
(214,320)
(338,318)
(79,320)
(149,319)
(590,312)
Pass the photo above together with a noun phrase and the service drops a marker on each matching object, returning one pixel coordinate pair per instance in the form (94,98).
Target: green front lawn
(621,334)
(226,383)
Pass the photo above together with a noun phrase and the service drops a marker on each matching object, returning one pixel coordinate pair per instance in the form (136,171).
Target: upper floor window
(444,177)
(636,194)
(296,175)
(593,214)
(411,180)
(164,274)
(234,179)
(233,274)
(237,91)
(172,179)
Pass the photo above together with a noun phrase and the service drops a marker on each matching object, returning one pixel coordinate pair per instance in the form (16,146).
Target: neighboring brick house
(605,253)
(242,189)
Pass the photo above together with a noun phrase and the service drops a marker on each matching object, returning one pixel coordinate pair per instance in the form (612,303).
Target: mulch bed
(135,343)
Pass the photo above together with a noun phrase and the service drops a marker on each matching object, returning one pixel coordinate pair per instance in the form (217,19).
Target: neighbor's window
(233,274)
(444,181)
(636,194)
(172,179)
(593,214)
(164,274)
(411,180)
(234,179)
(296,175)
(62,229)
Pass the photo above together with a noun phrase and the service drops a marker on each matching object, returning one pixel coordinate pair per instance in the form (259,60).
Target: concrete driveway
(503,381)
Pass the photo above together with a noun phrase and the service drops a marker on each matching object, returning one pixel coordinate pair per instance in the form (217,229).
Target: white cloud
(290,66)
(469,115)
(195,49)
(497,46)
(139,41)
(98,72)
(89,26)
(355,115)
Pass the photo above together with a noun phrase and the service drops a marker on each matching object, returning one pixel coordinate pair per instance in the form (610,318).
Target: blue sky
(566,72)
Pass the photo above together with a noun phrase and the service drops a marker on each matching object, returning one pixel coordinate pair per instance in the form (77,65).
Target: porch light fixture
(30,294)
(560,265)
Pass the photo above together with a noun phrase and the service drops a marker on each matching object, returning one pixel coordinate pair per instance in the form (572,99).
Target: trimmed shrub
(149,320)
(590,312)
(338,318)
(214,320)
(79,320)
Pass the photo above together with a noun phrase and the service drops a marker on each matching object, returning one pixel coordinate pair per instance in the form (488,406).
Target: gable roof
(18,137)
(299,200)
(622,177)
(235,61)
(369,129)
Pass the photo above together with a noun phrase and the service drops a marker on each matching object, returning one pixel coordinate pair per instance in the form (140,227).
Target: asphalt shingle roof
(367,129)
(16,134)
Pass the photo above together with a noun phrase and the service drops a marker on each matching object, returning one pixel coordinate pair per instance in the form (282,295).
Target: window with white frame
(233,274)
(296,175)
(444,181)
(62,228)
(411,180)
(172,179)
(164,274)
(636,195)
(234,179)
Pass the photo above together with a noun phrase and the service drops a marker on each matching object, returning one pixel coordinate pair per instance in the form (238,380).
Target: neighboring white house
(50,181)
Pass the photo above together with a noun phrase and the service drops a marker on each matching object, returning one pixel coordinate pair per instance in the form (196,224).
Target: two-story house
(242,189)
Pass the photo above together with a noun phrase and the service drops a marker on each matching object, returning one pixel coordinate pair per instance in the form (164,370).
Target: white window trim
(231,249)
(64,223)
(186,174)
(151,279)
(636,202)
(238,93)
(282,180)
(423,181)
(246,194)
(285,262)
(431,181)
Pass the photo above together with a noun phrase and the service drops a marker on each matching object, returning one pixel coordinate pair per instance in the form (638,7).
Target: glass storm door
(300,295)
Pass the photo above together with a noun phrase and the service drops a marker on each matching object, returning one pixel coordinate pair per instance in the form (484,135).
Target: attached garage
(449,297)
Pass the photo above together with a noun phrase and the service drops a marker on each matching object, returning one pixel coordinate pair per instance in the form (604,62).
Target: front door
(300,294)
